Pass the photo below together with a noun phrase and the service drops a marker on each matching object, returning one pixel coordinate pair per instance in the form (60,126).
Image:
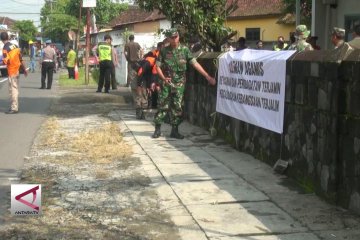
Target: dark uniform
(105,58)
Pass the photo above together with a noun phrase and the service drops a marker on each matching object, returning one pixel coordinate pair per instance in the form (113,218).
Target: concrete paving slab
(252,170)
(295,236)
(191,155)
(244,219)
(217,192)
(195,172)
(315,213)
(169,203)
(345,234)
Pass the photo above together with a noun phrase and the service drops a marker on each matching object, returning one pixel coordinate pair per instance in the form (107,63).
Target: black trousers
(71,71)
(113,79)
(47,68)
(105,75)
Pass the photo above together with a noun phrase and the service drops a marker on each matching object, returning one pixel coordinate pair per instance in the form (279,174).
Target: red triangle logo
(30,204)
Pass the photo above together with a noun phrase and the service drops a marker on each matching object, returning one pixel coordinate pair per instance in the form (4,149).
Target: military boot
(157,132)
(142,115)
(175,133)
(138,113)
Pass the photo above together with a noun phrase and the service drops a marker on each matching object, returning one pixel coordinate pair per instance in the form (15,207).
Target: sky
(22,10)
(26,9)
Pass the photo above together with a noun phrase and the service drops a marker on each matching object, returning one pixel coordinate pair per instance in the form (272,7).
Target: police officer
(47,65)
(171,66)
(104,51)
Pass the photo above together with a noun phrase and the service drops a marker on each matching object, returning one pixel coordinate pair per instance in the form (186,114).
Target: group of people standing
(168,64)
(301,40)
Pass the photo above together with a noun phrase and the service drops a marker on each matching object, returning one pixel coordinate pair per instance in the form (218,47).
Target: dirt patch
(92,186)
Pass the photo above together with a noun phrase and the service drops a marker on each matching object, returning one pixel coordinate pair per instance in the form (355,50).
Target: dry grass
(52,137)
(103,145)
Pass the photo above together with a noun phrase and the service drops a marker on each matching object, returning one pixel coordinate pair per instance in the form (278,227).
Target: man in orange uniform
(146,76)
(12,58)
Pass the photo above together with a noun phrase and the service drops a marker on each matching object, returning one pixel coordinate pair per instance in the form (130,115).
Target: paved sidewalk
(198,188)
(228,195)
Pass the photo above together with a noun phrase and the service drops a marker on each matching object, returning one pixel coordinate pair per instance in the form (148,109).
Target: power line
(24,13)
(28,4)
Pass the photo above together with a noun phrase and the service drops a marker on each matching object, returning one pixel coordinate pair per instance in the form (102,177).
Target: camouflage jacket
(301,45)
(173,62)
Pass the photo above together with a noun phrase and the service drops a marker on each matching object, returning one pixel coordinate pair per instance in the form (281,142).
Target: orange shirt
(12,58)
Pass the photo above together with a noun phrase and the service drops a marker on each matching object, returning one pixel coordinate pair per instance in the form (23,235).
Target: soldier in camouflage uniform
(341,48)
(171,67)
(301,34)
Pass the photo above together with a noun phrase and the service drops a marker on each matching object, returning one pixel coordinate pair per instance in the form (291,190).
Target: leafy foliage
(104,12)
(55,22)
(305,9)
(57,18)
(204,18)
(26,28)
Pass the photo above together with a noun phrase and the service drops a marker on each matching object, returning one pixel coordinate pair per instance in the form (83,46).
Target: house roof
(256,8)
(7,21)
(135,15)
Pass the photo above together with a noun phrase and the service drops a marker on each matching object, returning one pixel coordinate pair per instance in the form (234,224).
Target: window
(350,22)
(252,34)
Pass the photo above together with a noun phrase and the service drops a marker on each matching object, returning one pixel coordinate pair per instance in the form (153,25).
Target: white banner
(251,87)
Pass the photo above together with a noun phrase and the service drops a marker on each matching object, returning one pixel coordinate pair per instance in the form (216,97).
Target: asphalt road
(17,131)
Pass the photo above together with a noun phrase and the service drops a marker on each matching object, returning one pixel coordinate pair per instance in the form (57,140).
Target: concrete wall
(147,27)
(347,8)
(321,138)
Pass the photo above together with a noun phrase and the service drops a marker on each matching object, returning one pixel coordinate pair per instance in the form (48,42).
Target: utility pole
(78,35)
(87,46)
(297,12)
(87,4)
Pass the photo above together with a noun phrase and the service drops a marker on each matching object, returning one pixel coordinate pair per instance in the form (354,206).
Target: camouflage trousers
(132,81)
(170,99)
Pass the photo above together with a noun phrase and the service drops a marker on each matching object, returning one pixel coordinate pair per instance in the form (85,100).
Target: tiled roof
(7,21)
(255,8)
(135,15)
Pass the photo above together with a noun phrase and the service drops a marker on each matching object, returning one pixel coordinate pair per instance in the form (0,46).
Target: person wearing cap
(12,58)
(47,65)
(32,55)
(104,51)
(171,66)
(355,42)
(341,48)
(280,45)
(337,37)
(301,35)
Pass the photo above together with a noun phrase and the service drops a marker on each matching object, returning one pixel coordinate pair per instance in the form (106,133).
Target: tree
(57,18)
(26,28)
(305,9)
(104,11)
(204,18)
(55,22)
